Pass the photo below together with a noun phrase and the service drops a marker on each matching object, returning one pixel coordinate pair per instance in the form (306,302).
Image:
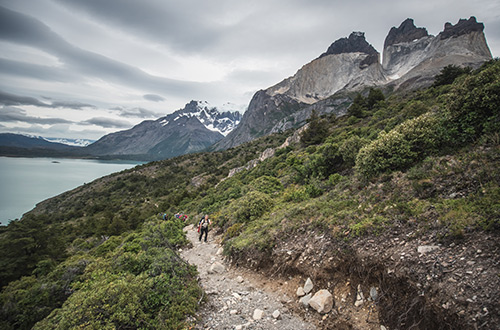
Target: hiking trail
(236,298)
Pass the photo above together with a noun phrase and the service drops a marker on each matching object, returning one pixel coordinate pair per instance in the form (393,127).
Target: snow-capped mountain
(70,142)
(194,128)
(210,116)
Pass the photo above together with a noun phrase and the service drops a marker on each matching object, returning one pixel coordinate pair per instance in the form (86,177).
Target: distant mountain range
(36,146)
(328,84)
(194,128)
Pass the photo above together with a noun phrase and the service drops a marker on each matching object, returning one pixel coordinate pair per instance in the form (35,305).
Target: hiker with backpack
(203,227)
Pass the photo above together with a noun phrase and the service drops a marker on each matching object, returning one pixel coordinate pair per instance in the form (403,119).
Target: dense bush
(449,73)
(401,147)
(245,209)
(133,281)
(473,104)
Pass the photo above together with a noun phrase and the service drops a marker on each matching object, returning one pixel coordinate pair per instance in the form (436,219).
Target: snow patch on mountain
(71,142)
(66,141)
(221,119)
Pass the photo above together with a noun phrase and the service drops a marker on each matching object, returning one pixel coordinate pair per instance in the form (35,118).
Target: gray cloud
(13,99)
(26,30)
(13,114)
(107,122)
(71,105)
(136,112)
(35,71)
(181,25)
(153,97)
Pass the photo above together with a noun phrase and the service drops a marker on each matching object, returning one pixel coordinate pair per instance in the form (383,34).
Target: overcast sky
(85,68)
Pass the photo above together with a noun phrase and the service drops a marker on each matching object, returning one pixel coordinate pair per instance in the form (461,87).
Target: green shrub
(472,108)
(266,184)
(295,194)
(349,149)
(401,147)
(245,209)
(448,75)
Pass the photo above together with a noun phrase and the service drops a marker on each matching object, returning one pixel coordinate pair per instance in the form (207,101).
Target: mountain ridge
(411,59)
(190,129)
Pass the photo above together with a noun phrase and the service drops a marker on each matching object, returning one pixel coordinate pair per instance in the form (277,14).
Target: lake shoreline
(27,181)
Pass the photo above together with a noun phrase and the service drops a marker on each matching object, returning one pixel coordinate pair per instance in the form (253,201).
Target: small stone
(257,314)
(382,327)
(322,301)
(238,327)
(373,293)
(426,248)
(360,298)
(233,312)
(300,291)
(217,267)
(276,314)
(305,300)
(237,296)
(239,279)
(308,286)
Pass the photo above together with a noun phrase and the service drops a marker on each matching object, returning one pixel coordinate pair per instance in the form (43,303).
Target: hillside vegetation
(426,164)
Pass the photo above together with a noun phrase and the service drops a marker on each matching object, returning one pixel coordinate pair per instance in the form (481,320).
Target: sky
(86,68)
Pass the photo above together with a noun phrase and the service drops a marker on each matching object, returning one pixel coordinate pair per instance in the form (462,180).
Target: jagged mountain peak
(208,115)
(463,26)
(406,32)
(355,43)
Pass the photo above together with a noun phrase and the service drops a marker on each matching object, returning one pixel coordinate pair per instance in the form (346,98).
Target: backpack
(204,223)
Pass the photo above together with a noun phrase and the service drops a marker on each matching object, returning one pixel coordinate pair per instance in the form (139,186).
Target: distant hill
(35,146)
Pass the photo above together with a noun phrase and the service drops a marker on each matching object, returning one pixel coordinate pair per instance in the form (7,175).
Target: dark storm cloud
(13,99)
(153,97)
(107,122)
(26,30)
(13,114)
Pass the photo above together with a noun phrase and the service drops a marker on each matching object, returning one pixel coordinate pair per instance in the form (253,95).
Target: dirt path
(235,299)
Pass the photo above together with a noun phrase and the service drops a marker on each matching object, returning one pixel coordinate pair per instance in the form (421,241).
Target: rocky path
(236,300)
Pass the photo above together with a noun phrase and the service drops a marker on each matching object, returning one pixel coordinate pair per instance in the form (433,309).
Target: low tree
(449,73)
(316,132)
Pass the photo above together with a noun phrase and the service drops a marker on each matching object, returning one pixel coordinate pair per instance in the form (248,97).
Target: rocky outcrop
(406,32)
(462,27)
(348,63)
(404,48)
(411,64)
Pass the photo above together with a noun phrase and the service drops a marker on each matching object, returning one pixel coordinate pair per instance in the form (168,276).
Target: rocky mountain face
(411,59)
(191,129)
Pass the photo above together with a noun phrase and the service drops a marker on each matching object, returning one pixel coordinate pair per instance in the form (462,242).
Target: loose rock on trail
(234,299)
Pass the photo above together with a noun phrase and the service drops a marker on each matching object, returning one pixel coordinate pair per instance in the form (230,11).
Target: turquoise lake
(24,182)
